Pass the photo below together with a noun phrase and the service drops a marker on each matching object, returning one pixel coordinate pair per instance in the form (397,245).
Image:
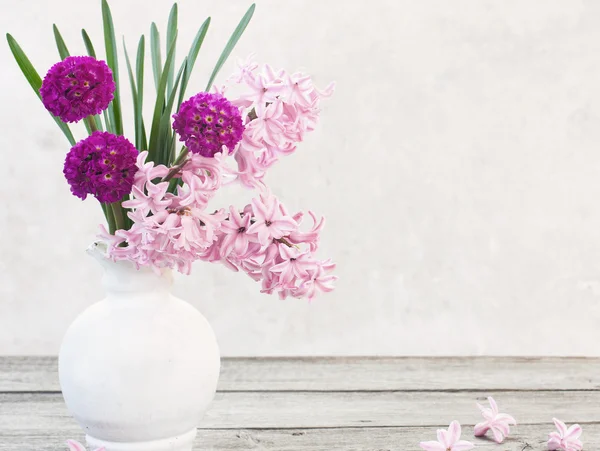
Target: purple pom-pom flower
(77,87)
(206,122)
(103,165)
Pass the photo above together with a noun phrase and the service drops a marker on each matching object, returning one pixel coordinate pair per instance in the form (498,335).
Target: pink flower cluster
(169,230)
(280,108)
(266,242)
(172,226)
(174,230)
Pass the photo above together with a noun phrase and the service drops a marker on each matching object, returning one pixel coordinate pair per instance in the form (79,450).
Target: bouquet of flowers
(153,191)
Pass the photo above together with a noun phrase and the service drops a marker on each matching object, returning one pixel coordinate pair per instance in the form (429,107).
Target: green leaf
(165,144)
(171,33)
(109,126)
(88,43)
(191,59)
(34,80)
(63,51)
(155,54)
(141,53)
(113,63)
(153,150)
(134,95)
(235,37)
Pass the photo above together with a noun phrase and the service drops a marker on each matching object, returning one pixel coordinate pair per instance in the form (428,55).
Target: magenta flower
(76,446)
(77,87)
(448,440)
(103,165)
(207,122)
(499,423)
(565,439)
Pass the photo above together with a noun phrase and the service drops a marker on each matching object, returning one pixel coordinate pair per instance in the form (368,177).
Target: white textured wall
(458,165)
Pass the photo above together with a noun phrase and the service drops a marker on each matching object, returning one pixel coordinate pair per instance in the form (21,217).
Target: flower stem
(182,155)
(118,215)
(110,218)
(92,123)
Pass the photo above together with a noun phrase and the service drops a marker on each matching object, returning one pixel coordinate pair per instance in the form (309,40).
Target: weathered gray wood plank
(41,412)
(356,373)
(345,439)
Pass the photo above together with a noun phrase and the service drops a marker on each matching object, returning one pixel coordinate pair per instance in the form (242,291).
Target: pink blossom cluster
(172,230)
(279,109)
(172,225)
(266,242)
(169,230)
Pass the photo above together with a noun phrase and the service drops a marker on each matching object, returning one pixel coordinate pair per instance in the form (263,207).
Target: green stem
(182,155)
(118,214)
(110,218)
(92,123)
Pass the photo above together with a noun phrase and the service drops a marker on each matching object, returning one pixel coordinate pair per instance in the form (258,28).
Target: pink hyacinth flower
(565,439)
(499,423)
(76,446)
(448,440)
(270,222)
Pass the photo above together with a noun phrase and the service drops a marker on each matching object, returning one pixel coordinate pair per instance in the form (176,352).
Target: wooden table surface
(375,404)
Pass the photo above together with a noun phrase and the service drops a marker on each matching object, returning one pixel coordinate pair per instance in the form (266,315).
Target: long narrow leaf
(141,52)
(155,53)
(113,63)
(63,51)
(34,80)
(191,59)
(88,43)
(109,126)
(235,37)
(171,33)
(158,107)
(134,95)
(165,121)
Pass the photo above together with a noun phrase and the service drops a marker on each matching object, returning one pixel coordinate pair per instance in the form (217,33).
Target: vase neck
(125,277)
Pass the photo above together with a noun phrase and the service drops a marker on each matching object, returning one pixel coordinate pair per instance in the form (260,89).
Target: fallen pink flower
(565,439)
(448,440)
(499,423)
(76,446)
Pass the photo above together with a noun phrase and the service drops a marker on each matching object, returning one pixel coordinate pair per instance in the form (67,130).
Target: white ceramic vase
(139,368)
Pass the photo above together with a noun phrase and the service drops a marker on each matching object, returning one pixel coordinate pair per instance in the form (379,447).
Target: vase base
(183,442)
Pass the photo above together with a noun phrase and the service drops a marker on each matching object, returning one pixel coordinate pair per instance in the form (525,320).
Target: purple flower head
(103,165)
(77,87)
(206,122)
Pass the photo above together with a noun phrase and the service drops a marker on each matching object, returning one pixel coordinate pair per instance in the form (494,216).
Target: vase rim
(124,275)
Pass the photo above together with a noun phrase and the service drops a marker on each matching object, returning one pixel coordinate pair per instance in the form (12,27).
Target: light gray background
(458,166)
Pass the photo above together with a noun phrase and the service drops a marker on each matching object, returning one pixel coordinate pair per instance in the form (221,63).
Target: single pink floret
(499,423)
(448,440)
(270,223)
(566,439)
